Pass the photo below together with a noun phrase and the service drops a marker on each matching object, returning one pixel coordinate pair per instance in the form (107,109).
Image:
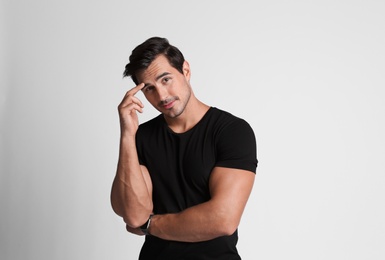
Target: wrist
(127,135)
(146,226)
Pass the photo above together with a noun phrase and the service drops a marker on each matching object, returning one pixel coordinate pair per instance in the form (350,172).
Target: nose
(162,93)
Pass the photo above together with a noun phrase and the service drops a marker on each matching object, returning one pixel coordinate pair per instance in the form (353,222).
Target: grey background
(307,75)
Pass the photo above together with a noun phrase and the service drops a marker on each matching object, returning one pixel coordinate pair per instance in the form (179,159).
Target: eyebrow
(157,78)
(162,75)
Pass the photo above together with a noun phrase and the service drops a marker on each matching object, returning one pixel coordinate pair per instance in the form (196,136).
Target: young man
(184,177)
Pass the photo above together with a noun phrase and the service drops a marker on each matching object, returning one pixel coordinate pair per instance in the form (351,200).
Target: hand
(135,231)
(130,104)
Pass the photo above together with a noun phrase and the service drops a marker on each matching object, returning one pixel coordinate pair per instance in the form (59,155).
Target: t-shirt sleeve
(237,147)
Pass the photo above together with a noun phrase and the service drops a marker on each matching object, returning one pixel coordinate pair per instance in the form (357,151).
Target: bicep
(230,189)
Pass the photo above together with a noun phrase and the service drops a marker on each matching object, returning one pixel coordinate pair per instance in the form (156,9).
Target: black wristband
(146,225)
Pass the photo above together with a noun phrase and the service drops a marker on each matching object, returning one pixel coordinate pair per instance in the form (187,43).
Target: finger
(135,89)
(137,108)
(127,100)
(129,108)
(131,99)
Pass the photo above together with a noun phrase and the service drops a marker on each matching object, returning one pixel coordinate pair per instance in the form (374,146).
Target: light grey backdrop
(307,75)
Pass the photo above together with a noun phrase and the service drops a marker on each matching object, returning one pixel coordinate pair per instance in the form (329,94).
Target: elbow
(136,220)
(227,225)
(133,215)
(133,219)
(228,229)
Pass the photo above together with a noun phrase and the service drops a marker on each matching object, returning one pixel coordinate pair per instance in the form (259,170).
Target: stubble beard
(176,112)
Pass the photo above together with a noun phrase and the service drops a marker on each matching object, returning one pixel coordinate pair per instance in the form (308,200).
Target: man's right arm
(131,194)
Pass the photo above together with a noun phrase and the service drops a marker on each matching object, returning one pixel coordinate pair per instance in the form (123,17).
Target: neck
(192,114)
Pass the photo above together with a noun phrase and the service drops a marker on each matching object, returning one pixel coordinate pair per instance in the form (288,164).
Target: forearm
(220,216)
(130,195)
(199,223)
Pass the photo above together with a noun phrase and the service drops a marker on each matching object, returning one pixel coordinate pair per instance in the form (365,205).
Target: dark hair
(142,56)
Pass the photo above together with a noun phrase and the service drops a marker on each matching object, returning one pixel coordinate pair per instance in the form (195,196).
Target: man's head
(145,53)
(165,74)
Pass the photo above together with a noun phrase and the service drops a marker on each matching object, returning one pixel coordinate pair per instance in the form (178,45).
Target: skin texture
(170,92)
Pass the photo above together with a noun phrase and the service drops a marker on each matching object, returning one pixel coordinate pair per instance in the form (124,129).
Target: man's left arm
(220,216)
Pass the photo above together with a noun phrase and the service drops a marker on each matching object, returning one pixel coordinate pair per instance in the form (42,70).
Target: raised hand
(127,111)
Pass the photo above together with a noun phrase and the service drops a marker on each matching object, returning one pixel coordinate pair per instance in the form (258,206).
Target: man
(184,177)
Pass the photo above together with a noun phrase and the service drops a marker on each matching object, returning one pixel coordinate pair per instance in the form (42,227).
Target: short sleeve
(237,147)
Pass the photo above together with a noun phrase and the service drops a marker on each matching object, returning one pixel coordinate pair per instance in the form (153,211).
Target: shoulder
(235,143)
(226,120)
(224,115)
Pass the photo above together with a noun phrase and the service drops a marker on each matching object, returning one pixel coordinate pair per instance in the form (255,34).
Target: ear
(186,70)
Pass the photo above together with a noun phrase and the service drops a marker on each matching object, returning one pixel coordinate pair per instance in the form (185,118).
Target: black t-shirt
(180,165)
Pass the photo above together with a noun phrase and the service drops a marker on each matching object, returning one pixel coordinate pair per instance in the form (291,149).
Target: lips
(168,105)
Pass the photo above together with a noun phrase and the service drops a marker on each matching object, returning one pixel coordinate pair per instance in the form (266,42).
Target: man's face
(166,88)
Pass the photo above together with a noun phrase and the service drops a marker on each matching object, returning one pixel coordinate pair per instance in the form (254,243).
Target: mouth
(168,105)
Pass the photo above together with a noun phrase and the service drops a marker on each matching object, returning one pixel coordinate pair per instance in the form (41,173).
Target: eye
(148,89)
(166,80)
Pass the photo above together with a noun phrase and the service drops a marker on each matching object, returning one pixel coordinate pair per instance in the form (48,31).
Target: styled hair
(142,56)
